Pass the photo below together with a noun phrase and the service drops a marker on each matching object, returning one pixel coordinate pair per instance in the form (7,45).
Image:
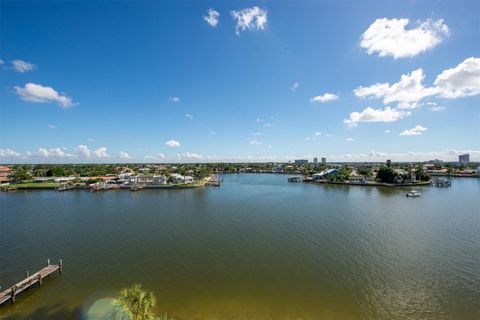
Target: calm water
(256,248)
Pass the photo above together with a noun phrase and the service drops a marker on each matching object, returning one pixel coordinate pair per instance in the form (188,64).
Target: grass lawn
(34,185)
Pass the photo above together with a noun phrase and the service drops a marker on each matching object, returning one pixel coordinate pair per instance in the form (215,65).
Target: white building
(178,178)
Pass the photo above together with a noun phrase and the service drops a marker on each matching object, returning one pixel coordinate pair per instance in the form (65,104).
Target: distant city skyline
(109,82)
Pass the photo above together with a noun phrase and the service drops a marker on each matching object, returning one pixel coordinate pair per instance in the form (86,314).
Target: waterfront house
(5,171)
(148,179)
(178,178)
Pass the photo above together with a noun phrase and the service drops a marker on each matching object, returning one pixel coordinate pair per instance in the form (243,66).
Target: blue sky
(246,81)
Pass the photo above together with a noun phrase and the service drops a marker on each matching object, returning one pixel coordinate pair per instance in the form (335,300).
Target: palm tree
(134,304)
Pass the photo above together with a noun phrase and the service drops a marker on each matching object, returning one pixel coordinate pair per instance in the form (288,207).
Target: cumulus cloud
(349,139)
(189,155)
(22,66)
(295,86)
(40,94)
(375,115)
(416,131)
(326,97)
(407,92)
(318,133)
(255,142)
(84,152)
(9,153)
(461,81)
(49,153)
(174,99)
(250,19)
(189,116)
(212,17)
(387,131)
(172,143)
(391,37)
(124,155)
(101,153)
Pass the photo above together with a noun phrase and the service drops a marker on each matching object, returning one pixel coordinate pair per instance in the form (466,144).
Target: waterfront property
(256,248)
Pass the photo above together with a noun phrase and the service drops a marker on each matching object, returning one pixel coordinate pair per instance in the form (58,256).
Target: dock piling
(11,292)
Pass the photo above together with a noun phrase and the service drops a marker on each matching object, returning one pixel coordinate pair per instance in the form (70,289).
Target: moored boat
(413,194)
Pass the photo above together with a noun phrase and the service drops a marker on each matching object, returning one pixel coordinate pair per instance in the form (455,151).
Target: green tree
(386,174)
(20,173)
(134,304)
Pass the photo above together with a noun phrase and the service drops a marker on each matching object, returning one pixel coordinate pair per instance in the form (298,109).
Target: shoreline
(374,184)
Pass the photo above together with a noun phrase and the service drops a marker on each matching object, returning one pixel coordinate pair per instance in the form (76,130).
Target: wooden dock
(29,281)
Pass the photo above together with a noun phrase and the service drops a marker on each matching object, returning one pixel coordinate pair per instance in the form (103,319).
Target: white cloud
(9,153)
(267,125)
(174,99)
(189,116)
(416,131)
(326,97)
(375,115)
(39,94)
(318,133)
(256,134)
(124,155)
(83,151)
(259,120)
(22,66)
(212,17)
(52,126)
(377,90)
(407,92)
(172,143)
(101,153)
(189,155)
(390,37)
(461,81)
(387,131)
(433,106)
(250,19)
(295,86)
(160,156)
(49,153)
(255,142)
(349,139)
(1,62)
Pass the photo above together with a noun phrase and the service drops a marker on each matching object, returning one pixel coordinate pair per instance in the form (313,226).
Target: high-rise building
(464,158)
(324,160)
(389,163)
(315,161)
